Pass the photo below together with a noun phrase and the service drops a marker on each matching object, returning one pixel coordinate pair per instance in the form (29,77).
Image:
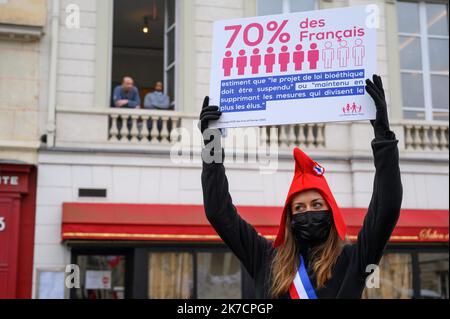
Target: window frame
(425,71)
(174,64)
(414,251)
(136,263)
(176,53)
(286,6)
(106,251)
(192,249)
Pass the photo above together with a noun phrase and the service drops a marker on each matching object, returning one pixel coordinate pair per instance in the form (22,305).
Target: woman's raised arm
(385,204)
(241,237)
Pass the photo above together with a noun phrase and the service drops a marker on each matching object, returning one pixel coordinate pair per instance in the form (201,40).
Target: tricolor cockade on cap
(309,175)
(319,170)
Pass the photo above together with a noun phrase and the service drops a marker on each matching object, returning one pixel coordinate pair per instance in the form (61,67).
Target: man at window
(157,99)
(126,95)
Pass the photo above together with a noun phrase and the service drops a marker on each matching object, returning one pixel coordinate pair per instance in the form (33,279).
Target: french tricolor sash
(301,287)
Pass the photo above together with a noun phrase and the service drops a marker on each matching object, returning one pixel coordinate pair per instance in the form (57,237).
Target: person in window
(310,257)
(126,95)
(157,99)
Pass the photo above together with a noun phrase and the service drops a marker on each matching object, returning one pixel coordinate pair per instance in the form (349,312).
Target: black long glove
(210,113)
(381,122)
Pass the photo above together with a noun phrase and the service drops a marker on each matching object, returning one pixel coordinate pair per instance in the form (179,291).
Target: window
(171,275)
(433,275)
(218,276)
(267,7)
(158,272)
(190,275)
(101,277)
(423,48)
(144,45)
(412,273)
(395,278)
(169,54)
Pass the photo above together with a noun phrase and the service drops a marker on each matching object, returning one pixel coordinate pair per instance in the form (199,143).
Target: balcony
(149,130)
(420,136)
(158,128)
(144,127)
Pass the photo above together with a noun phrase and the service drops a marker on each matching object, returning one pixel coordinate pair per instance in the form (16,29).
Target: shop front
(170,251)
(17,221)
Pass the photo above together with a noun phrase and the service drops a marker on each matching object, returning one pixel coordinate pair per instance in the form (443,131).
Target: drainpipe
(53,73)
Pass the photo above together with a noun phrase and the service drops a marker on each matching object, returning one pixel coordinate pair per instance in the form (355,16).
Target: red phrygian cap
(309,175)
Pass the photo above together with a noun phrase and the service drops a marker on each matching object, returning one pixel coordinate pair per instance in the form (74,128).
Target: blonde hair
(285,262)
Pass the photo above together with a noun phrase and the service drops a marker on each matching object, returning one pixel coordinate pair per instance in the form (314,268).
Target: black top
(348,276)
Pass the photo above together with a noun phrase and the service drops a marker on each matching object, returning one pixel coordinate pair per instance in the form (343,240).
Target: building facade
(23,59)
(119,191)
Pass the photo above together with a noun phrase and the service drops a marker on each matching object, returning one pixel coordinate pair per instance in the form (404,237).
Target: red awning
(156,222)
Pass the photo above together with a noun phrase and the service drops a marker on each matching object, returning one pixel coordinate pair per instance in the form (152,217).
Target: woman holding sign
(310,257)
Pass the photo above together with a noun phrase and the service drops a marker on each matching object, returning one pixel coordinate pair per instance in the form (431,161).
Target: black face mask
(312,227)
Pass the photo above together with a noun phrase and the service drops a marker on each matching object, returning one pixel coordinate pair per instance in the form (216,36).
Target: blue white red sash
(301,287)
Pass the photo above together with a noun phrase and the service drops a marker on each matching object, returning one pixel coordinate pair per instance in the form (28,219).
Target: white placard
(303,67)
(51,284)
(98,279)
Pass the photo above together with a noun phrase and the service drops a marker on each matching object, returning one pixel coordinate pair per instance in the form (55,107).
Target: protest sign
(303,67)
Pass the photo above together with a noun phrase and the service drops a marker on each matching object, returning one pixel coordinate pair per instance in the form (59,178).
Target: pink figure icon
(354,107)
(227,63)
(359,109)
(313,56)
(269,60)
(358,52)
(328,55)
(343,54)
(255,61)
(284,58)
(241,62)
(298,57)
(347,108)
